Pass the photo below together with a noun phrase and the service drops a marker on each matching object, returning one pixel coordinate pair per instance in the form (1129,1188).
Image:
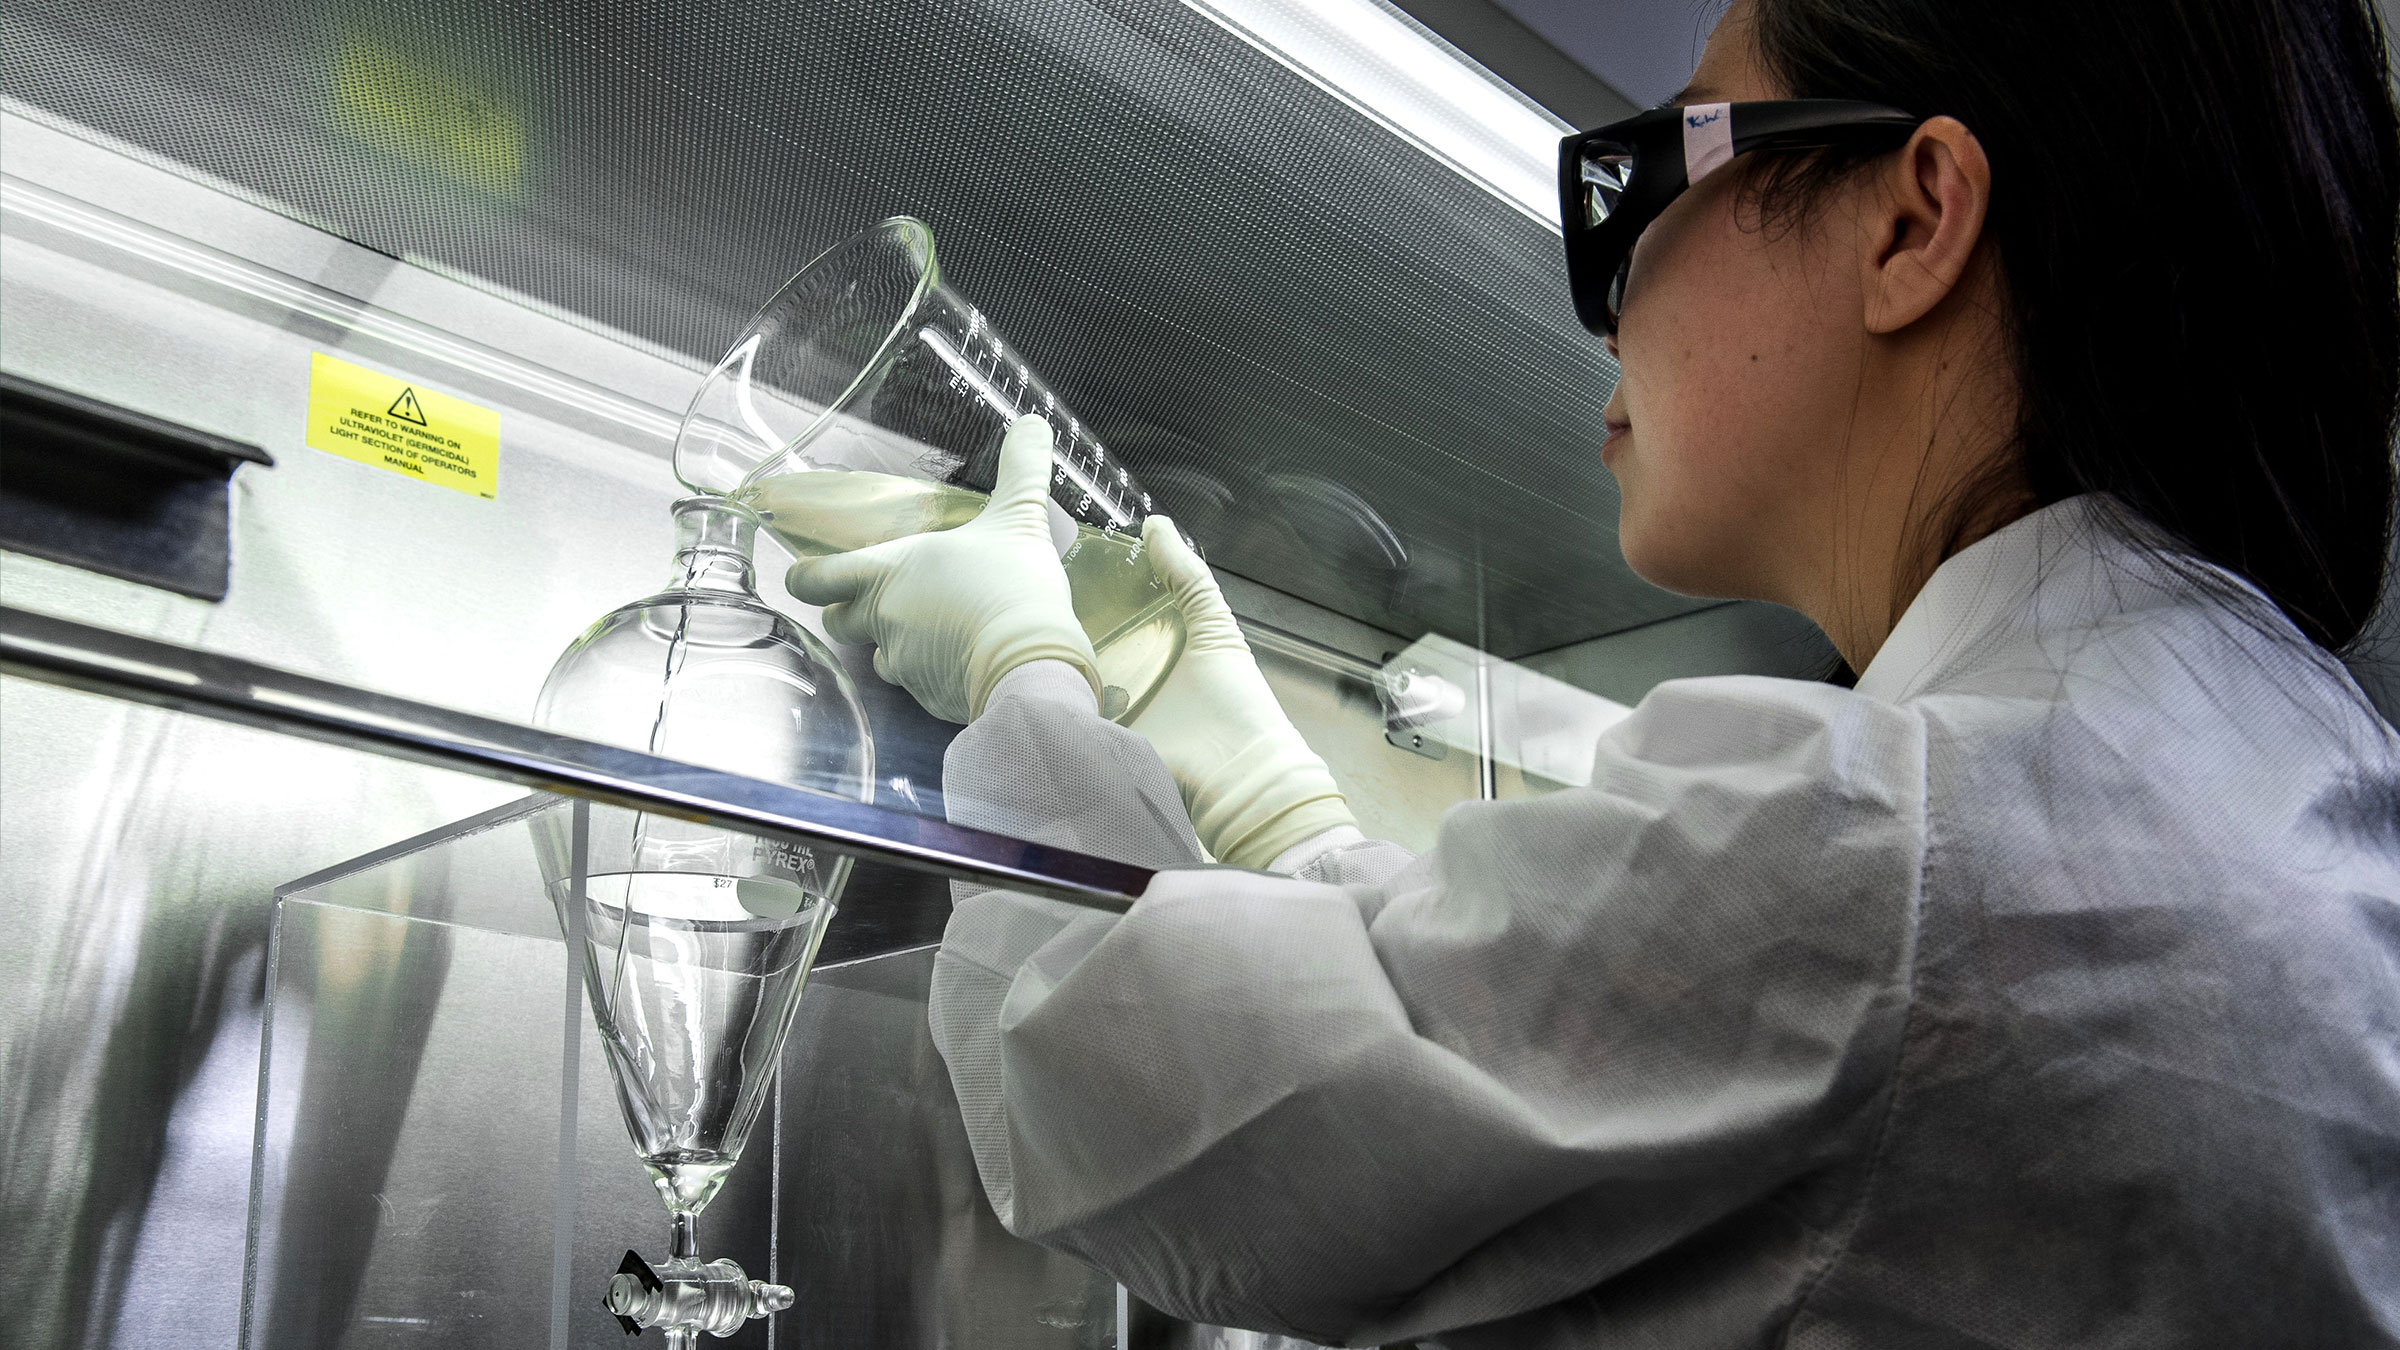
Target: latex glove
(1251,785)
(952,611)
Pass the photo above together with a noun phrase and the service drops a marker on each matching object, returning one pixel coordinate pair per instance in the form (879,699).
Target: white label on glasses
(1707,140)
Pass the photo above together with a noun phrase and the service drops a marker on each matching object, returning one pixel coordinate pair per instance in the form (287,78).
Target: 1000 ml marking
(391,423)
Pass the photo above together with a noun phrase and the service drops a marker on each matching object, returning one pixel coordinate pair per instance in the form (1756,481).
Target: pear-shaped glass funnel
(867,400)
(695,940)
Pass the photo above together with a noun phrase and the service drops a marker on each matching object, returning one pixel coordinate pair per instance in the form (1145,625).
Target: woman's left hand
(952,611)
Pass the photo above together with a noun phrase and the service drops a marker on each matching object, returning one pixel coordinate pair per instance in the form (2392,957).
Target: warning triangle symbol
(405,408)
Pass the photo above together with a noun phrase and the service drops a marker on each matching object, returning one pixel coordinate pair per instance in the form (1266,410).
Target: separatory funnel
(696,941)
(866,401)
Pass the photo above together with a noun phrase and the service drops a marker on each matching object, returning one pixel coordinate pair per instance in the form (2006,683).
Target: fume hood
(383,319)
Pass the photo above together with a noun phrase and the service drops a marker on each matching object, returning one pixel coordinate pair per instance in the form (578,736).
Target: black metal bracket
(115,491)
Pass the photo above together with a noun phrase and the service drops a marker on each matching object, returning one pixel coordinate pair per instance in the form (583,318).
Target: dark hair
(2196,211)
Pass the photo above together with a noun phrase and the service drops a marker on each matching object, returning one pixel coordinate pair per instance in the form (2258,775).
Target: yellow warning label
(399,425)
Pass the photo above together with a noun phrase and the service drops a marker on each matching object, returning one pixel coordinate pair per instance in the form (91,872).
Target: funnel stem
(684,1244)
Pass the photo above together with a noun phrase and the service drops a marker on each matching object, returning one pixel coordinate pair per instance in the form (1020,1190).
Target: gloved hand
(952,611)
(1252,787)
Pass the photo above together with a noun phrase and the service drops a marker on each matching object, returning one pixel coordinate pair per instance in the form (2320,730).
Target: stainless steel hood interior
(1352,372)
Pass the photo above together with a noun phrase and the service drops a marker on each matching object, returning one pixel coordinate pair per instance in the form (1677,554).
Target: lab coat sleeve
(1581,1030)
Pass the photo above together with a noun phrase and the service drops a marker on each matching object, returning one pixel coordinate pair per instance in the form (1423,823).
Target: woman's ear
(1925,225)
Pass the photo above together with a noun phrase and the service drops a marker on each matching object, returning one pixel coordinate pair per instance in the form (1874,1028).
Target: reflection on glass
(1448,693)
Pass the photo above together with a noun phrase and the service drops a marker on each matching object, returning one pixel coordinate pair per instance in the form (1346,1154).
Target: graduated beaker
(867,401)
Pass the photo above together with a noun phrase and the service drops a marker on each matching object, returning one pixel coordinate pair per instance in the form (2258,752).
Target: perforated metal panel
(1292,323)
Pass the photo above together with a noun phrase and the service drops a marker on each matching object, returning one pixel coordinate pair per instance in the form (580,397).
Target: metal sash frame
(232,689)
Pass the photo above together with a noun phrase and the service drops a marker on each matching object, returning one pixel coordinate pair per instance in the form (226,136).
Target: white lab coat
(2043,990)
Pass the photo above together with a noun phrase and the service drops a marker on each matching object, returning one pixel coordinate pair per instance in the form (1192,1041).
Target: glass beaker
(867,400)
(695,941)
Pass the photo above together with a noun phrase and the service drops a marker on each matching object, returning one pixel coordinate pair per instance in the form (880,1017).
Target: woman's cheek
(1691,474)
(1695,395)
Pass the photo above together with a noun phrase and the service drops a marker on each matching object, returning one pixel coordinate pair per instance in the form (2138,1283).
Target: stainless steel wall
(139,850)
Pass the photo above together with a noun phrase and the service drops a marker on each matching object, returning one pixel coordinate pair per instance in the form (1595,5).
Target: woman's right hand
(1251,785)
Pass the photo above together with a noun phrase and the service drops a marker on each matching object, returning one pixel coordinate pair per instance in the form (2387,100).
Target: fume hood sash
(232,689)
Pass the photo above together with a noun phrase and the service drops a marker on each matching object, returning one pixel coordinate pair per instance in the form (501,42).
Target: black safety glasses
(1614,181)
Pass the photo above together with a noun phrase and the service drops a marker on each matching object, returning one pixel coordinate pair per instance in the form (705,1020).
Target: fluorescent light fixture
(1382,63)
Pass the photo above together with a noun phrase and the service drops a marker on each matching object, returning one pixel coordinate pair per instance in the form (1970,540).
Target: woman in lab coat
(2042,990)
